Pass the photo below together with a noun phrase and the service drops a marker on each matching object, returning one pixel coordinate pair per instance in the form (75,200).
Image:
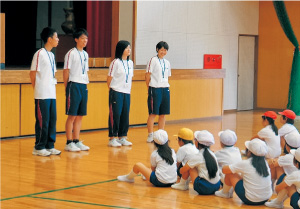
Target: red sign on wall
(212,61)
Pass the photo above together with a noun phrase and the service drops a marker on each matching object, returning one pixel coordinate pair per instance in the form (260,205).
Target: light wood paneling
(27,110)
(2,17)
(10,110)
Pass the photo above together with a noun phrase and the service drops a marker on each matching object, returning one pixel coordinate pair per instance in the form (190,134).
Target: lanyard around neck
(82,65)
(163,68)
(51,62)
(127,74)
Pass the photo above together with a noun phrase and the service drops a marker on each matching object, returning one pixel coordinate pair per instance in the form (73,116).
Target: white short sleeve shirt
(121,72)
(198,161)
(272,140)
(257,188)
(160,70)
(287,163)
(78,64)
(164,172)
(294,178)
(185,153)
(286,129)
(43,63)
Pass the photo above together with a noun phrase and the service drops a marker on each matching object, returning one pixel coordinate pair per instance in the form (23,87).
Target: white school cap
(296,153)
(204,137)
(257,147)
(293,139)
(160,136)
(228,137)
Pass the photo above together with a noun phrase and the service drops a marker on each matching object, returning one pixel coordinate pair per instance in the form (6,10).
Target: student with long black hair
(202,168)
(251,178)
(119,82)
(163,164)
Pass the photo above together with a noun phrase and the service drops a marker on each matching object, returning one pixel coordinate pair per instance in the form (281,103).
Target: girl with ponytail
(202,167)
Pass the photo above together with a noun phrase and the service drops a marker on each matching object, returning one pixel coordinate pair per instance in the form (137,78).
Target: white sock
(131,175)
(226,188)
(183,181)
(282,196)
(150,134)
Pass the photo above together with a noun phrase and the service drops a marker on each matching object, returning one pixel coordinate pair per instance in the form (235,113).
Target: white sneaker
(220,193)
(150,139)
(71,147)
(81,146)
(124,178)
(42,152)
(54,151)
(143,177)
(123,141)
(274,204)
(114,143)
(180,186)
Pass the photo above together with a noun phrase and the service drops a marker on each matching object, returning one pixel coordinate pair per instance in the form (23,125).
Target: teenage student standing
(163,164)
(119,82)
(157,73)
(76,79)
(43,80)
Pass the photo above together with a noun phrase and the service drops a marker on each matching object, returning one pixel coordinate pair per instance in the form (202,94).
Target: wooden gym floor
(88,179)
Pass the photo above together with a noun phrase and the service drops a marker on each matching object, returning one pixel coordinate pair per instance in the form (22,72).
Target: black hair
(288,120)
(290,146)
(47,33)
(121,46)
(185,141)
(210,161)
(296,162)
(162,44)
(259,163)
(165,152)
(272,123)
(79,32)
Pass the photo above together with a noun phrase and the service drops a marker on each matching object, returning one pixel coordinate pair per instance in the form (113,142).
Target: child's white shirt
(160,70)
(77,63)
(272,140)
(164,172)
(121,72)
(287,163)
(43,63)
(293,179)
(286,129)
(257,188)
(185,153)
(198,161)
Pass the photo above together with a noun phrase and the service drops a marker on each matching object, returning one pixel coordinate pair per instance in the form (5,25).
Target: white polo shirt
(185,153)
(286,129)
(43,63)
(287,163)
(121,72)
(257,188)
(294,178)
(78,64)
(160,70)
(272,141)
(164,172)
(198,161)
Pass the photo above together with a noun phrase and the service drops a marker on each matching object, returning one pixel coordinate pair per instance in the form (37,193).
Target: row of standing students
(253,180)
(75,76)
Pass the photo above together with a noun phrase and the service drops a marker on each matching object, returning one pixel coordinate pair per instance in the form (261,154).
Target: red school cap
(271,114)
(288,113)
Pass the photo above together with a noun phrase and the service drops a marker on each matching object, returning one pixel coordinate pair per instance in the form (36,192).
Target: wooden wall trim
(134,22)
(100,75)
(115,26)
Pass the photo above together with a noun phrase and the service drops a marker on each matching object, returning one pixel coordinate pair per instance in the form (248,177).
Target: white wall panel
(198,17)
(175,16)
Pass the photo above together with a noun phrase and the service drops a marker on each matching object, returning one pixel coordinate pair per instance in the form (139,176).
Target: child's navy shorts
(156,182)
(204,187)
(158,101)
(76,99)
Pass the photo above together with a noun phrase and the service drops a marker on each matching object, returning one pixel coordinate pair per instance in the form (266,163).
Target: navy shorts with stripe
(156,182)
(76,99)
(158,101)
(203,187)
(241,193)
(294,200)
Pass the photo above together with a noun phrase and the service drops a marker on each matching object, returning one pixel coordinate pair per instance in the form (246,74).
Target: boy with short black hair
(42,75)
(76,79)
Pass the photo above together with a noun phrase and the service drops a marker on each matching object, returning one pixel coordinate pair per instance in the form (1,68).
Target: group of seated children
(252,179)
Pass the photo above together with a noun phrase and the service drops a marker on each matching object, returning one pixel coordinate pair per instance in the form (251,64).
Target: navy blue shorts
(158,101)
(280,179)
(76,99)
(156,182)
(240,191)
(294,200)
(204,187)
(178,170)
